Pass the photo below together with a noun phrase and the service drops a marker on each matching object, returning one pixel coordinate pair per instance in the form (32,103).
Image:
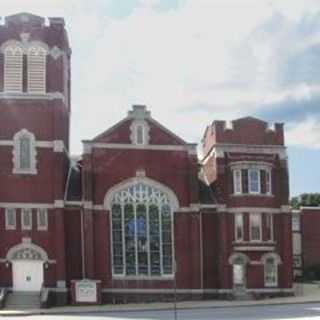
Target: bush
(312,273)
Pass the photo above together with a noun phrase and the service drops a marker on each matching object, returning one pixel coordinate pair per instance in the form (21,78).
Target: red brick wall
(310,226)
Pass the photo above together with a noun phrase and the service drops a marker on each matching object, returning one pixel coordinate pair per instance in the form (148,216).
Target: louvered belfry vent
(13,67)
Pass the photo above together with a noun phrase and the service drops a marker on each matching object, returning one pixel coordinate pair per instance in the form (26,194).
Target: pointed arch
(24,152)
(141,220)
(145,181)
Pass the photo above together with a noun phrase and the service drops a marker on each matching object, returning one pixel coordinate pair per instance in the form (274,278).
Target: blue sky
(193,61)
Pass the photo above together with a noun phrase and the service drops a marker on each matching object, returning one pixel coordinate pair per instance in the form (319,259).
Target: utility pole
(175,291)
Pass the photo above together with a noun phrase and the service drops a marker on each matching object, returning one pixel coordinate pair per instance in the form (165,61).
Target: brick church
(139,216)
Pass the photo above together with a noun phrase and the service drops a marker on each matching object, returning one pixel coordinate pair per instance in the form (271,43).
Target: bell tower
(34,139)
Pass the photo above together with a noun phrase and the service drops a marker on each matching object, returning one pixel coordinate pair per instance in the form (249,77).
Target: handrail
(44,295)
(3,294)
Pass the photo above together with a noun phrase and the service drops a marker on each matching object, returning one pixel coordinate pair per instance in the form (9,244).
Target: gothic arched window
(271,262)
(142,231)
(24,153)
(37,57)
(13,68)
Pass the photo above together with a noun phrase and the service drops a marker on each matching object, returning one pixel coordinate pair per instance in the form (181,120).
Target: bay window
(251,179)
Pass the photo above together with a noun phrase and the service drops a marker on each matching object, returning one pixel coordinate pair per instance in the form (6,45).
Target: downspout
(82,244)
(83,266)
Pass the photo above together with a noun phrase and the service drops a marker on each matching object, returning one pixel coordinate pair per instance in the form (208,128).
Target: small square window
(26,219)
(11,220)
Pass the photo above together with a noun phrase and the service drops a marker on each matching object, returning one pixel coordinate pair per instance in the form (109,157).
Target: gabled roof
(138,112)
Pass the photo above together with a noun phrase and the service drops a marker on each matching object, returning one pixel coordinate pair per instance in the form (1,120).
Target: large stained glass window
(142,232)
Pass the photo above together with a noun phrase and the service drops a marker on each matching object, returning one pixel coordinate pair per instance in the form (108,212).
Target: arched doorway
(27,261)
(239,263)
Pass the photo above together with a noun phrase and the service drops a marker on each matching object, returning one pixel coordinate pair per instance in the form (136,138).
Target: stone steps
(22,300)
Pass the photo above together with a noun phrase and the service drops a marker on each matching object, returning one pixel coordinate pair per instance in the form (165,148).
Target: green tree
(305,199)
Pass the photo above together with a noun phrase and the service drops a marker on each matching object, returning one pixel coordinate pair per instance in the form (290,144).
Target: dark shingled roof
(74,190)
(206,194)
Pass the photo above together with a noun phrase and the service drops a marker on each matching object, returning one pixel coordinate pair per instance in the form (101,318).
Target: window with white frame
(13,69)
(24,153)
(268,181)
(295,222)
(142,232)
(36,62)
(26,219)
(238,226)
(270,272)
(42,219)
(139,132)
(237,181)
(255,226)
(254,180)
(269,226)
(11,219)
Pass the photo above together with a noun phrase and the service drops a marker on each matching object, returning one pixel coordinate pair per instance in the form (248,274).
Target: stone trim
(273,255)
(56,145)
(193,291)
(308,208)
(27,245)
(260,165)
(25,45)
(58,204)
(30,96)
(133,132)
(88,146)
(20,205)
(16,153)
(253,210)
(254,248)
(135,180)
(218,150)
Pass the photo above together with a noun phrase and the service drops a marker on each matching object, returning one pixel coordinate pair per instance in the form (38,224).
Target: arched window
(37,69)
(13,68)
(142,231)
(271,262)
(140,134)
(24,153)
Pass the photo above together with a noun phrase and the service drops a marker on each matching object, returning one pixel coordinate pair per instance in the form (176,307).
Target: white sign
(86,291)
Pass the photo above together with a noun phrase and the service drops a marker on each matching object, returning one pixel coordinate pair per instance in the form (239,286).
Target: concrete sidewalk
(306,293)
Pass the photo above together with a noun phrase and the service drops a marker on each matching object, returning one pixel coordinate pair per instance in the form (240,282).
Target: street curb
(74,312)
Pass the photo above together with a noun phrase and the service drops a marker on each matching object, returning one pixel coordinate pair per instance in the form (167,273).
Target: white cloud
(304,134)
(190,65)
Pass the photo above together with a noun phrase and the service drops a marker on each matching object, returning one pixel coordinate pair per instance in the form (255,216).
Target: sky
(195,61)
